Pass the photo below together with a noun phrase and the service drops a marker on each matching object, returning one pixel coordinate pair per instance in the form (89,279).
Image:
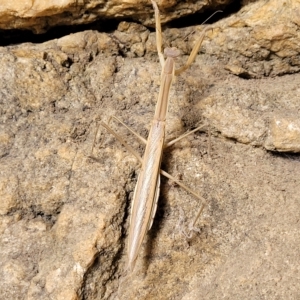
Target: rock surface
(64,217)
(39,16)
(263,39)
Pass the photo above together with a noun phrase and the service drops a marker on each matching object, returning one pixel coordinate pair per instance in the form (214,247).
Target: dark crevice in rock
(17,36)
(199,18)
(12,37)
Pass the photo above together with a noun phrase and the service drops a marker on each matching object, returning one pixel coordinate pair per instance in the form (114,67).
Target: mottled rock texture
(64,217)
(41,15)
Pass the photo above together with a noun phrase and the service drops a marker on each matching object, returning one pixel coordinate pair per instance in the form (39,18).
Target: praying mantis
(147,189)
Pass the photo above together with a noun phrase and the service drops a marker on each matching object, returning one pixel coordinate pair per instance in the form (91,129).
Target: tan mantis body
(147,188)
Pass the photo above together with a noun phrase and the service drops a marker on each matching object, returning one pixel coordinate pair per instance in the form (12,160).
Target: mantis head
(171,52)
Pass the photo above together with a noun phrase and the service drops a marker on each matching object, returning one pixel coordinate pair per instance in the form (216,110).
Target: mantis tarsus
(148,185)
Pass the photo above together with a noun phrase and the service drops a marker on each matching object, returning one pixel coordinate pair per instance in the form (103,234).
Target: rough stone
(39,16)
(285,133)
(262,39)
(64,216)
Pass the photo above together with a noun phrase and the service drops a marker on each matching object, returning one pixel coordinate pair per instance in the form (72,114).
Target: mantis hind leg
(192,224)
